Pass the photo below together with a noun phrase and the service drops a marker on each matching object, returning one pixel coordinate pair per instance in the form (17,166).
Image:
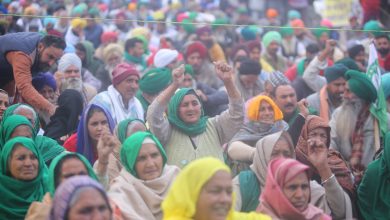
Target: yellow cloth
(265,66)
(254,107)
(180,203)
(216,53)
(78,22)
(140,31)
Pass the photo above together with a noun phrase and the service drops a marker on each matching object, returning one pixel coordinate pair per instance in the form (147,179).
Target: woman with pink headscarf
(287,192)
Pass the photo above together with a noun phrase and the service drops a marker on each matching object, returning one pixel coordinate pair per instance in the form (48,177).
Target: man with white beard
(68,76)
(352,124)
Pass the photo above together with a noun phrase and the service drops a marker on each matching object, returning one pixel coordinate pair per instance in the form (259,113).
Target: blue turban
(43,79)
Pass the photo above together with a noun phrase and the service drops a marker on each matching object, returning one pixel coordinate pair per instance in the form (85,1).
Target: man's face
(286,99)
(48,93)
(195,60)
(48,56)
(137,50)
(348,96)
(383,46)
(273,48)
(128,87)
(187,81)
(336,88)
(254,54)
(360,57)
(206,39)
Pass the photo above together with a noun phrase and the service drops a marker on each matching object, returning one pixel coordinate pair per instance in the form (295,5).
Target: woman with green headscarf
(109,164)
(187,133)
(48,147)
(374,190)
(15,126)
(146,171)
(22,177)
(62,167)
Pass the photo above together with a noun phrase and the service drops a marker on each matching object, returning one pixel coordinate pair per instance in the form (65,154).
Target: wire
(193,23)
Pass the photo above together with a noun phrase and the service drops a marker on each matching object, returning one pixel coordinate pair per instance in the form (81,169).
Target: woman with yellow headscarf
(263,117)
(204,190)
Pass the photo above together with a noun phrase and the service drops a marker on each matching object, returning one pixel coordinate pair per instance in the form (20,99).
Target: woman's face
(90,205)
(190,109)
(297,191)
(318,134)
(149,162)
(23,164)
(215,198)
(266,113)
(281,149)
(4,103)
(71,167)
(97,123)
(22,131)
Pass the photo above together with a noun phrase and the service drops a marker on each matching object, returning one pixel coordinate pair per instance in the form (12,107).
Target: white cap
(164,57)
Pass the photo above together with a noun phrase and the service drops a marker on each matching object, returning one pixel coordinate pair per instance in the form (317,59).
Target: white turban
(164,57)
(67,60)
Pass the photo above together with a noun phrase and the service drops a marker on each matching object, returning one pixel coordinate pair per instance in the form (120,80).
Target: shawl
(84,145)
(324,105)
(48,147)
(180,202)
(145,103)
(136,60)
(10,124)
(123,128)
(112,100)
(66,117)
(374,189)
(131,147)
(53,170)
(273,201)
(66,192)
(17,195)
(173,116)
(91,63)
(139,199)
(336,163)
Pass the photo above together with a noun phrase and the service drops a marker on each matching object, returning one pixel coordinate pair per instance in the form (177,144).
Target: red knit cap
(122,71)
(196,46)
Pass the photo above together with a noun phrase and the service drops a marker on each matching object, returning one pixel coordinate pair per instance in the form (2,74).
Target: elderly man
(23,55)
(352,124)
(330,96)
(166,58)
(120,96)
(195,54)
(46,85)
(272,41)
(68,76)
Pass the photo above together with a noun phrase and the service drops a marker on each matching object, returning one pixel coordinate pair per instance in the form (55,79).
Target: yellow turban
(30,10)
(78,22)
(140,31)
(180,202)
(254,107)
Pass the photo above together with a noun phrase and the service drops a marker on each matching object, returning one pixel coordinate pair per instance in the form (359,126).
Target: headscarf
(53,172)
(249,33)
(84,145)
(66,117)
(66,191)
(336,163)
(373,192)
(9,125)
(273,201)
(361,85)
(11,109)
(48,148)
(67,60)
(132,146)
(173,114)
(111,49)
(43,79)
(155,80)
(123,127)
(180,203)
(254,104)
(270,37)
(263,154)
(17,195)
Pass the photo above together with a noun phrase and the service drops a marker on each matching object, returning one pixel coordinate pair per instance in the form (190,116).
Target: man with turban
(352,124)
(108,37)
(272,41)
(75,33)
(112,56)
(214,49)
(46,85)
(120,98)
(195,54)
(151,84)
(69,76)
(165,58)
(330,96)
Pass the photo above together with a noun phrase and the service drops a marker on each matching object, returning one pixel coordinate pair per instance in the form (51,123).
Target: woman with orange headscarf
(263,117)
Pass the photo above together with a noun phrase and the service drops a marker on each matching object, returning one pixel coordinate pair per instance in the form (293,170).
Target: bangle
(325,181)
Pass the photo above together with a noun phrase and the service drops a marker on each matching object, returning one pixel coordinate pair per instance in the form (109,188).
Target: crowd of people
(198,109)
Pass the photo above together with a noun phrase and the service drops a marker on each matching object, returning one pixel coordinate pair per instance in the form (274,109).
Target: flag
(378,109)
